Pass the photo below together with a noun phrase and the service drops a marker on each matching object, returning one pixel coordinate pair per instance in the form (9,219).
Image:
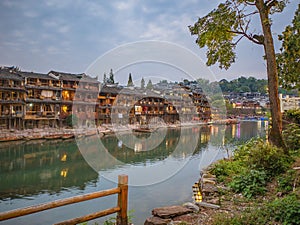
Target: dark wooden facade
(34,100)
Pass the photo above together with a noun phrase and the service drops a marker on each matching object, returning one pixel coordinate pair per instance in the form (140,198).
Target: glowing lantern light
(197,195)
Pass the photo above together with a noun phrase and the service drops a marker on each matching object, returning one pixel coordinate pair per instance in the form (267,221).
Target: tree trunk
(275,135)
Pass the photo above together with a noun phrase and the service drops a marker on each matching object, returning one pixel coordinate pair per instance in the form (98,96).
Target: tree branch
(238,40)
(270,3)
(255,38)
(249,3)
(250,14)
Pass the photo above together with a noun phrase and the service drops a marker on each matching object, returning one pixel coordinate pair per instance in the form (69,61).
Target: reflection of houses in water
(34,168)
(178,142)
(242,131)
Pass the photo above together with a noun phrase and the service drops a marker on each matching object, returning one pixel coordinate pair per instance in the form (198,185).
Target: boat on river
(67,136)
(33,137)
(144,129)
(225,122)
(53,136)
(10,138)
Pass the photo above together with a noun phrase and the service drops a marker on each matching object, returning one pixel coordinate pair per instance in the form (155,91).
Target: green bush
(250,183)
(286,210)
(286,181)
(258,215)
(261,156)
(291,136)
(226,168)
(293,115)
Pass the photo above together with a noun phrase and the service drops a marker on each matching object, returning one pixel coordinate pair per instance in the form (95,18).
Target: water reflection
(36,169)
(141,152)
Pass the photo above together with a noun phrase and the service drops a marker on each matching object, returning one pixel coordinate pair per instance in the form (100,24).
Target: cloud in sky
(69,35)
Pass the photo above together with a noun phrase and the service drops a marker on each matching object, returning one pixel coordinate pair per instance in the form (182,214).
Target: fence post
(122,200)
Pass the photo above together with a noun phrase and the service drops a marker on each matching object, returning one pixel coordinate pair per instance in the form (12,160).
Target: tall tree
(104,78)
(142,83)
(149,85)
(288,61)
(130,83)
(111,79)
(222,29)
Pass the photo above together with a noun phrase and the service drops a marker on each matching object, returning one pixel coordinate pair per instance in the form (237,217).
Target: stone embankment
(64,133)
(36,134)
(190,213)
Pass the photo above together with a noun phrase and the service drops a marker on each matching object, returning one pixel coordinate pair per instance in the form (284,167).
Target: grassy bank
(263,183)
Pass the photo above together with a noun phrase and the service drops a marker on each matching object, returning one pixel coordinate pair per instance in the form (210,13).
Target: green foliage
(222,28)
(110,221)
(111,79)
(288,60)
(113,220)
(149,85)
(226,168)
(130,82)
(243,84)
(142,83)
(255,216)
(292,138)
(239,85)
(262,156)
(250,183)
(253,165)
(86,223)
(212,31)
(286,210)
(71,120)
(104,78)
(287,181)
(130,215)
(293,115)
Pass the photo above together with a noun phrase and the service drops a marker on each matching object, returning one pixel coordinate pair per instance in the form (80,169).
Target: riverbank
(234,208)
(66,133)
(259,185)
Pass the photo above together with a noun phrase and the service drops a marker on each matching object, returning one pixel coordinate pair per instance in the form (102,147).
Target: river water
(162,167)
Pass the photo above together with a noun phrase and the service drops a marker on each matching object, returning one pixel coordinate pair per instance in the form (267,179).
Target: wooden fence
(120,209)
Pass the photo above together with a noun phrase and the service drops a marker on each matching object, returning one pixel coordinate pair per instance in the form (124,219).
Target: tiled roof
(111,90)
(73,76)
(9,75)
(35,75)
(66,76)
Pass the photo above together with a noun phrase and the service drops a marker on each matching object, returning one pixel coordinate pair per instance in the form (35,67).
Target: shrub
(291,136)
(262,156)
(293,115)
(250,183)
(287,181)
(226,168)
(286,210)
(252,216)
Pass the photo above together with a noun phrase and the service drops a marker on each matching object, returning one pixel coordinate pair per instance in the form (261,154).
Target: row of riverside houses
(34,100)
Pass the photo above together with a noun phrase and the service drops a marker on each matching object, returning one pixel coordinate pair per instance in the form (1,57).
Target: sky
(69,35)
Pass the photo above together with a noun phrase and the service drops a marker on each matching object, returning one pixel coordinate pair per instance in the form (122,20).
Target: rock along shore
(191,213)
(66,133)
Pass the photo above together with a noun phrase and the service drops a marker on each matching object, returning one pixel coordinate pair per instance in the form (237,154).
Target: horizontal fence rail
(121,208)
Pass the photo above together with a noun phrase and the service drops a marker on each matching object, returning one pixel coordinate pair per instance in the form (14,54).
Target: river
(162,167)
